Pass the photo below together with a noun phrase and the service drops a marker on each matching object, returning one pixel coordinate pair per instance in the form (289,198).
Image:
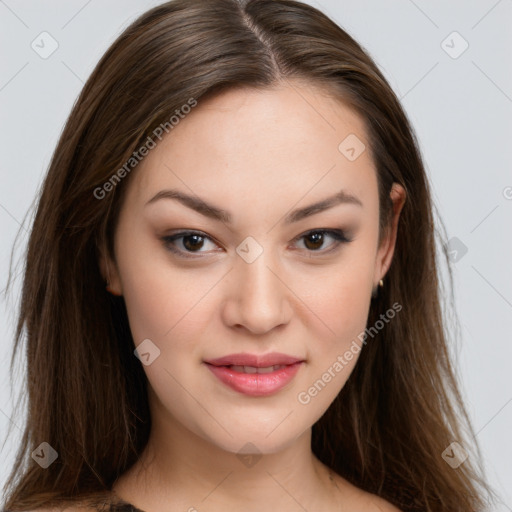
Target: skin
(257,154)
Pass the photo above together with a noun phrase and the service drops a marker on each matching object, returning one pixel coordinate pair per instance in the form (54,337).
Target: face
(249,295)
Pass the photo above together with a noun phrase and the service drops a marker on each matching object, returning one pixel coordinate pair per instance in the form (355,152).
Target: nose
(258,298)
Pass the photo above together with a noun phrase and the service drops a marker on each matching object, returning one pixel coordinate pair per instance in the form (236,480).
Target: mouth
(255,375)
(255,369)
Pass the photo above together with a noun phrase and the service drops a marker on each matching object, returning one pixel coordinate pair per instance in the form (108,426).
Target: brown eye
(314,240)
(193,242)
(187,243)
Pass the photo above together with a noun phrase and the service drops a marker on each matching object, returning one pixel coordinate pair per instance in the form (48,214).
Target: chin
(255,436)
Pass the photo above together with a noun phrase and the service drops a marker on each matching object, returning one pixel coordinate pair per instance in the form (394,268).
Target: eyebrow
(216,213)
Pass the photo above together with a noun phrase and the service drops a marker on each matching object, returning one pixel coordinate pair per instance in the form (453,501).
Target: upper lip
(255,360)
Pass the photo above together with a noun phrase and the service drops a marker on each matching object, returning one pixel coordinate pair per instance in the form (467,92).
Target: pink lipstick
(255,375)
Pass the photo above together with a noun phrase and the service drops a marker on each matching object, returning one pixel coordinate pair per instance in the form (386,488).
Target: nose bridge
(258,296)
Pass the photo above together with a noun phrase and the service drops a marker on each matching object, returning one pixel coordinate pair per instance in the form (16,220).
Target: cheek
(338,298)
(342,309)
(150,304)
(160,298)
(167,306)
(337,309)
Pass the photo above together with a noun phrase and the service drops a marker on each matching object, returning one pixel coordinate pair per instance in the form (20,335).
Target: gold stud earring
(375,290)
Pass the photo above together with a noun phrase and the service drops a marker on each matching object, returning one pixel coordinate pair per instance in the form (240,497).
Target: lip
(255,384)
(259,361)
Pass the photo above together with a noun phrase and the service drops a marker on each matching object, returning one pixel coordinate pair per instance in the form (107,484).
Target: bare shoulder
(363,501)
(367,502)
(373,503)
(381,505)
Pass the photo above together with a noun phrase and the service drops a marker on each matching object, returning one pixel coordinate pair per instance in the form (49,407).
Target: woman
(231,292)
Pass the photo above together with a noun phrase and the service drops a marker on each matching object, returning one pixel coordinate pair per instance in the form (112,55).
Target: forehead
(285,139)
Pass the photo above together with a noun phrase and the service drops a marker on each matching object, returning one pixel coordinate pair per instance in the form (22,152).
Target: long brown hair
(401,408)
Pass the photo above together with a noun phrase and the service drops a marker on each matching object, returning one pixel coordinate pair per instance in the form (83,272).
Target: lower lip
(255,384)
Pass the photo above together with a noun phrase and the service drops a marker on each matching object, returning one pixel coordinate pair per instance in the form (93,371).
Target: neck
(182,469)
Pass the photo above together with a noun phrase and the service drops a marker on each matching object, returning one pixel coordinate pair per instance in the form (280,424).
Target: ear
(109,272)
(387,247)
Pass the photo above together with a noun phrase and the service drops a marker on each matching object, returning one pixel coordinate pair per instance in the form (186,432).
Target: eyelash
(338,235)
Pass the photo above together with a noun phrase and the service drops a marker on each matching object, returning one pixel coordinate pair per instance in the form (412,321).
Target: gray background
(460,108)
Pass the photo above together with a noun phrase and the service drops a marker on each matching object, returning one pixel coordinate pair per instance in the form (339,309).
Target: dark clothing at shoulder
(123,507)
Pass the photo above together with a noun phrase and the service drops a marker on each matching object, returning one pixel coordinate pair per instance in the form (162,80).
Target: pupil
(196,244)
(316,238)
